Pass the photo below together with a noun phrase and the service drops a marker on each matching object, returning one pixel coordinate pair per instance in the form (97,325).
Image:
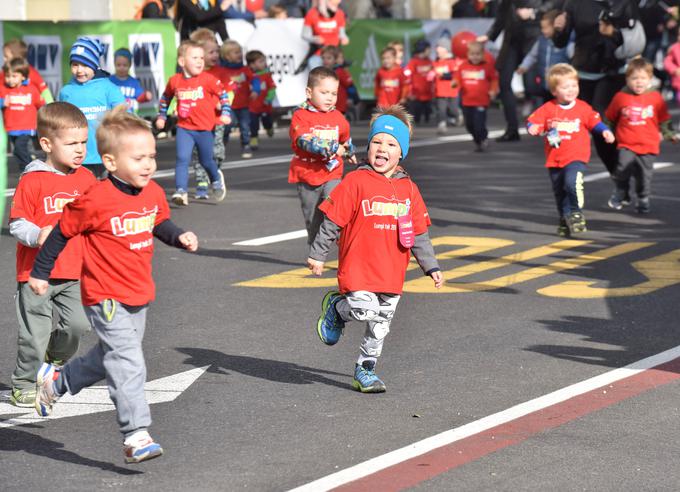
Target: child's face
(638,81)
(324,94)
(82,73)
(547,28)
(193,61)
(234,55)
(475,55)
(14,79)
(135,159)
(122,65)
(328,60)
(212,54)
(333,4)
(66,148)
(259,65)
(442,53)
(388,60)
(384,153)
(566,90)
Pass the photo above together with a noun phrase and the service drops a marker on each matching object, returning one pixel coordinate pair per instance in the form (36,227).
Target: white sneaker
(141,447)
(441,128)
(45,396)
(180,197)
(220,187)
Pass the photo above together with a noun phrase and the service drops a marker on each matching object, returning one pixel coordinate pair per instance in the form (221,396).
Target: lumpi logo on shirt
(382,206)
(389,83)
(567,126)
(18,99)
(327,25)
(190,94)
(638,114)
(132,223)
(326,132)
(473,74)
(55,204)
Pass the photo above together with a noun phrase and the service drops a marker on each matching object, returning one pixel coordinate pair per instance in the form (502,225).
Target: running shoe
(365,379)
(643,206)
(22,398)
(202,190)
(220,187)
(181,198)
(330,325)
(46,396)
(140,446)
(576,223)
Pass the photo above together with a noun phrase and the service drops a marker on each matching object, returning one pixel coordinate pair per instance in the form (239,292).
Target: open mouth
(381,160)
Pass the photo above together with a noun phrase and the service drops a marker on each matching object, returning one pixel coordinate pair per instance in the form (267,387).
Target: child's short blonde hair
(227,47)
(203,36)
(186,45)
(558,72)
(398,111)
(58,116)
(639,63)
(116,124)
(17,47)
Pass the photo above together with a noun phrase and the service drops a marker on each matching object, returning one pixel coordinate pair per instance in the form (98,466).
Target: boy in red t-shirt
(319,137)
(43,191)
(380,217)
(118,219)
(330,58)
(16,48)
(566,122)
(20,102)
(198,93)
(478,82)
(261,107)
(638,114)
(390,82)
(420,76)
(445,92)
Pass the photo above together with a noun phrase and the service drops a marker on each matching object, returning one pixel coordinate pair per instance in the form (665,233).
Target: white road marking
(447,437)
(605,174)
(273,239)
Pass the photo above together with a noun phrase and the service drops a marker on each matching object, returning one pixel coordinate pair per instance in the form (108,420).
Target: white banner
(147,64)
(44,54)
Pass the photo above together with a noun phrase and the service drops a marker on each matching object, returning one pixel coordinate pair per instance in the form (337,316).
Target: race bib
(407,237)
(183,109)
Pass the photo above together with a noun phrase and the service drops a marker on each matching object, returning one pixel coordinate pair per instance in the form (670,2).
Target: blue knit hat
(391,125)
(123,52)
(86,51)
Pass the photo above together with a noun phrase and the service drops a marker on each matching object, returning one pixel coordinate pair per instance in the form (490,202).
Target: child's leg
(268,123)
(469,116)
(317,215)
(21,151)
(185,145)
(218,146)
(72,322)
(644,169)
(244,126)
(310,197)
(573,185)
(204,141)
(557,179)
(441,111)
(480,124)
(254,124)
(227,129)
(625,166)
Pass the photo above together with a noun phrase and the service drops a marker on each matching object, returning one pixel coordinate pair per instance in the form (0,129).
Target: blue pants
(567,184)
(186,140)
(240,117)
(267,122)
(475,122)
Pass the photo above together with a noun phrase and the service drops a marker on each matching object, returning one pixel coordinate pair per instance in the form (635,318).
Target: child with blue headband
(380,218)
(130,87)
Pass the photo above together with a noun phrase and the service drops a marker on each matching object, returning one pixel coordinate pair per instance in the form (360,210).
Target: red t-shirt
(573,125)
(420,78)
(637,120)
(40,198)
(20,107)
(240,79)
(117,231)
(260,105)
(390,86)
(328,28)
(346,82)
(444,68)
(475,82)
(366,205)
(309,168)
(197,99)
(34,78)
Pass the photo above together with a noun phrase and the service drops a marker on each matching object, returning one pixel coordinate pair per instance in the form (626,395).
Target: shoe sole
(220,195)
(324,306)
(357,386)
(615,207)
(145,457)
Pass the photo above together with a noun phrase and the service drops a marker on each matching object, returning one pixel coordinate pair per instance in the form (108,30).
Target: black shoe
(509,136)
(643,206)
(576,223)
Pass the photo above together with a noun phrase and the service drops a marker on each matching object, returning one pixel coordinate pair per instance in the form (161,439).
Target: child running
(130,87)
(118,219)
(565,121)
(390,82)
(43,191)
(638,114)
(380,217)
(319,137)
(261,107)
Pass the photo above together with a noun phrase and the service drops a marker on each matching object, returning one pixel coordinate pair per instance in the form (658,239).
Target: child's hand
(353,160)
(534,130)
(225,119)
(438,279)
(189,241)
(42,235)
(521,70)
(148,95)
(454,83)
(675,139)
(39,287)
(253,95)
(160,123)
(342,150)
(315,266)
(608,136)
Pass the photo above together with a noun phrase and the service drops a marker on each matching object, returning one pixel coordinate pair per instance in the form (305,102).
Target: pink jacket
(671,63)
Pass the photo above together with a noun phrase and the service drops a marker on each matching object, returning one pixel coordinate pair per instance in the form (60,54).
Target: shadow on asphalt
(271,370)
(230,254)
(18,440)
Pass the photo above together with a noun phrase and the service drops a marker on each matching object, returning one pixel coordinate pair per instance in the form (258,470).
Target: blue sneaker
(330,324)
(202,191)
(46,396)
(365,379)
(140,446)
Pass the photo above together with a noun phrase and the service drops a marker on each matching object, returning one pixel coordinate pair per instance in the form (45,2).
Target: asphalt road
(274,409)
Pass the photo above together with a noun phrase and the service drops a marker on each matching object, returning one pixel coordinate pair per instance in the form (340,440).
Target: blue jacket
(94,98)
(543,55)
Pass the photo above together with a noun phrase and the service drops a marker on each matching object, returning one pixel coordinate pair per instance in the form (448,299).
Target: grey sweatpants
(38,338)
(377,310)
(310,199)
(118,357)
(218,150)
(447,107)
(639,166)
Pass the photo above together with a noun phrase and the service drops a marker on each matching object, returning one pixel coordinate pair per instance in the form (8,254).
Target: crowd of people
(85,217)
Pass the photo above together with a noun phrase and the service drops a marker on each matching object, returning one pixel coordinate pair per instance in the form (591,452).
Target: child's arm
(44,262)
(168,232)
(163,103)
(424,254)
(327,235)
(529,60)
(28,233)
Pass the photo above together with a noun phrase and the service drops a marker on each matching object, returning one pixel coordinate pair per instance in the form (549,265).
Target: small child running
(118,219)
(380,217)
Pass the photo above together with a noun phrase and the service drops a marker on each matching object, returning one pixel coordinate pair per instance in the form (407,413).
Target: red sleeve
(37,80)
(39,101)
(79,215)
(592,117)
(419,214)
(612,112)
(169,91)
(343,134)
(310,18)
(662,109)
(404,85)
(24,200)
(538,117)
(295,130)
(341,18)
(340,206)
(345,78)
(376,84)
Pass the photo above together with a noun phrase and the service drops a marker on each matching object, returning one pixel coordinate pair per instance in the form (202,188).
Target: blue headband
(392,126)
(123,52)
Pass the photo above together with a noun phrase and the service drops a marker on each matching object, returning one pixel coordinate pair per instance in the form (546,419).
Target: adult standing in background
(193,14)
(247,10)
(519,22)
